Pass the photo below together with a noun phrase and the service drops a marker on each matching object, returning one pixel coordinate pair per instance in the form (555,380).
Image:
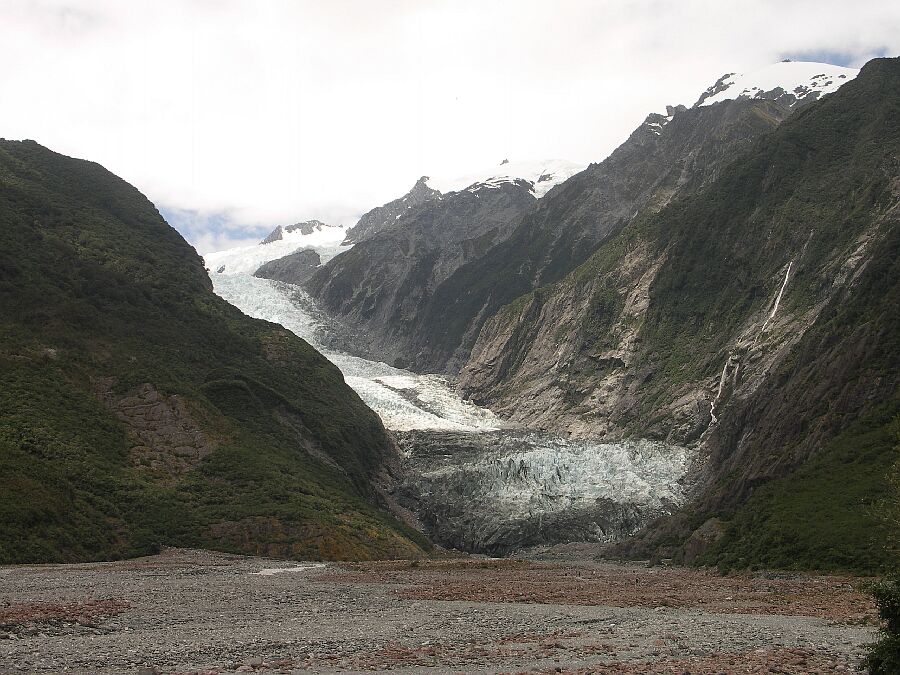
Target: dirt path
(195,611)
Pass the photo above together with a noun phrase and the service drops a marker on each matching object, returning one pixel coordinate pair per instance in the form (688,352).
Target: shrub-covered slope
(137,408)
(756,320)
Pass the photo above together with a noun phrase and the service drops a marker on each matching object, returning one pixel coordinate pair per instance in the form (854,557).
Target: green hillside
(137,408)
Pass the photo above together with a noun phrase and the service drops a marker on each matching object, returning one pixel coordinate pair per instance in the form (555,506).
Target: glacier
(404,400)
(476,482)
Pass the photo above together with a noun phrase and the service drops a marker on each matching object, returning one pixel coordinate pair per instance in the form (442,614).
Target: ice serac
(501,491)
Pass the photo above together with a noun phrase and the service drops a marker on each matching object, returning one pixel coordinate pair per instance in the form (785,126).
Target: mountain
(541,176)
(303,229)
(404,250)
(725,282)
(294,268)
(137,408)
(789,82)
(282,241)
(753,319)
(666,157)
(383,217)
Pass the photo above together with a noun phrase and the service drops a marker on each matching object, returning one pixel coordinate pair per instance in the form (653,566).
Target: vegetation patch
(827,514)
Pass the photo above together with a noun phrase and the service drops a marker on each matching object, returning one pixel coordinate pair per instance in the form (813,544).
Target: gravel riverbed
(187,611)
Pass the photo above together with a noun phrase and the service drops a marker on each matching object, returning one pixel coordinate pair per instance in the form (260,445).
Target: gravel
(187,611)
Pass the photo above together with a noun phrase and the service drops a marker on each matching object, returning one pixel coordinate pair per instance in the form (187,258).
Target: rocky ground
(201,612)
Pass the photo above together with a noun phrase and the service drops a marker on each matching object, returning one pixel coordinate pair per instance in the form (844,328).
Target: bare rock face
(732,321)
(164,437)
(384,217)
(665,158)
(291,269)
(383,284)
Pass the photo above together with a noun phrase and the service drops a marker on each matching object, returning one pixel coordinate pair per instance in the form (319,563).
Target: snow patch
(801,78)
(248,259)
(542,175)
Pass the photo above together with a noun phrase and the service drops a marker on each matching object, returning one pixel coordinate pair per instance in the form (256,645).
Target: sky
(234,117)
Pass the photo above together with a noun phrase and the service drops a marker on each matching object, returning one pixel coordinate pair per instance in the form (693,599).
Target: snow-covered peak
(297,230)
(798,79)
(324,239)
(542,175)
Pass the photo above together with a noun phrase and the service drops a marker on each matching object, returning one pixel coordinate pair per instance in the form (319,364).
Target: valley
(618,355)
(440,337)
(476,482)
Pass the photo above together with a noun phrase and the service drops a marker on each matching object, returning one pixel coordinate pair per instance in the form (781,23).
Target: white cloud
(274,112)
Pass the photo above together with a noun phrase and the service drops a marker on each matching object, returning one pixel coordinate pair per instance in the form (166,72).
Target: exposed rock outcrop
(662,159)
(383,284)
(164,436)
(291,269)
(384,217)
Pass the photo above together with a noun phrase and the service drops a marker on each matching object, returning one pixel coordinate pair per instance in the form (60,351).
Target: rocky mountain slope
(541,176)
(668,156)
(383,217)
(279,243)
(755,320)
(294,268)
(137,408)
(383,284)
(789,82)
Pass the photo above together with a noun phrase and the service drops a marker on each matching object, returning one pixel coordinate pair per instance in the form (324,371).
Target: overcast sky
(236,116)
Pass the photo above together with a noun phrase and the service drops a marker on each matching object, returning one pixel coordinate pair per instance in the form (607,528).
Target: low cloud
(251,115)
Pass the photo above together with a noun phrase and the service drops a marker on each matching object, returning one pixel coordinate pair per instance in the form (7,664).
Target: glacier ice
(403,399)
(477,482)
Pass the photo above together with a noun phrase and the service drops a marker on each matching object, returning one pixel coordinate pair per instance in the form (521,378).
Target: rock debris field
(186,611)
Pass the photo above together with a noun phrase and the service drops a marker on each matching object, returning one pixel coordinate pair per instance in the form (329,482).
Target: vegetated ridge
(755,320)
(137,408)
